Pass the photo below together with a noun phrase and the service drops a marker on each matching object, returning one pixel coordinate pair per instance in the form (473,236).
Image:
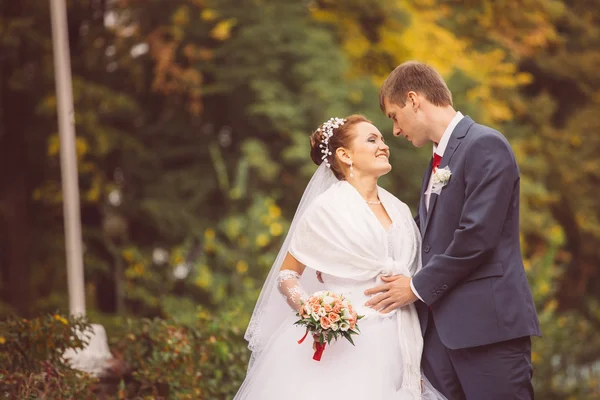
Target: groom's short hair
(418,77)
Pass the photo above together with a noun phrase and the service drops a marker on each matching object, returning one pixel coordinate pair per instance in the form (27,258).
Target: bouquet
(327,316)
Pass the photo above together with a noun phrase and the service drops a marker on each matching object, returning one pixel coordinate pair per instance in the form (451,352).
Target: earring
(351,170)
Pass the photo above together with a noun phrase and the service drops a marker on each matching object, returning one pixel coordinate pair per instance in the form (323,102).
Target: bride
(353,232)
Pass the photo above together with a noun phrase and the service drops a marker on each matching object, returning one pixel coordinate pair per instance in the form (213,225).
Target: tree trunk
(15,112)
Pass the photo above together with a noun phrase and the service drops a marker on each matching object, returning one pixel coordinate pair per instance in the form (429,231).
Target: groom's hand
(395,293)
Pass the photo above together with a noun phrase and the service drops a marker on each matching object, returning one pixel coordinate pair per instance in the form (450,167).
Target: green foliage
(203,360)
(566,358)
(33,365)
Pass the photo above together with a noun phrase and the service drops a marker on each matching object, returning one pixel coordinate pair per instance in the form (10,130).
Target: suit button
(427,248)
(434,296)
(445,287)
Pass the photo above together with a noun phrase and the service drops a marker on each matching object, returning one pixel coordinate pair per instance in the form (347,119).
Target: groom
(474,303)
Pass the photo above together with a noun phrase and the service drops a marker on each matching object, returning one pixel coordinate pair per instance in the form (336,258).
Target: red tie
(436,161)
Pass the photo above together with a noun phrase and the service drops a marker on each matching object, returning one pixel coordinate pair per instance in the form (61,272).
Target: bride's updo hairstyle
(341,135)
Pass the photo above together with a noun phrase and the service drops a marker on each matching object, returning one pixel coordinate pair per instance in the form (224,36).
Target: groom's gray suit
(477,313)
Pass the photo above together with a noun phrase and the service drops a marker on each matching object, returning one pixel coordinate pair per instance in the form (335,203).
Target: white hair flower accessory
(327,130)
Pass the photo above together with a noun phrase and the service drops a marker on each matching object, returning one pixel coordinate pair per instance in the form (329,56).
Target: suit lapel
(422,208)
(455,140)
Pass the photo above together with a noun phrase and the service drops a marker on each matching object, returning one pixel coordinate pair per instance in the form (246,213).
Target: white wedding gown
(370,370)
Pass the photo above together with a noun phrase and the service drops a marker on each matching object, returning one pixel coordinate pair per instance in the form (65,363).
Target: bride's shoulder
(329,196)
(327,201)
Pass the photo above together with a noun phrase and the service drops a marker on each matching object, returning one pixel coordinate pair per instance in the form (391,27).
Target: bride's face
(369,153)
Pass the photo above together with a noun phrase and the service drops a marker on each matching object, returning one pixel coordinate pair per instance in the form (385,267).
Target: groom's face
(406,122)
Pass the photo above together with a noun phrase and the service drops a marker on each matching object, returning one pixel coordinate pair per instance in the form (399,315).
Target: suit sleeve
(490,177)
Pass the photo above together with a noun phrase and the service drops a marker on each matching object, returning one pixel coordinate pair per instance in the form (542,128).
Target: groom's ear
(412,100)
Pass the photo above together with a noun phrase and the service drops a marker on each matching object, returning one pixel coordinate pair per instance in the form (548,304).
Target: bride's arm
(288,282)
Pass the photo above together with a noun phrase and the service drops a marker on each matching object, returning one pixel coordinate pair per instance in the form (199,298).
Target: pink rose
(336,309)
(333,317)
(327,308)
(325,323)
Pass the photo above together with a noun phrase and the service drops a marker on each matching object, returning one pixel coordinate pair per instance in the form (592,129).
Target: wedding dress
(335,232)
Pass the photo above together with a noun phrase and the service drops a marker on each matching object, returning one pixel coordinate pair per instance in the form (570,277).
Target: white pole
(68,157)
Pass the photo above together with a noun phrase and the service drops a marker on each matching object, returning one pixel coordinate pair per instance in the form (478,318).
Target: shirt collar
(440,148)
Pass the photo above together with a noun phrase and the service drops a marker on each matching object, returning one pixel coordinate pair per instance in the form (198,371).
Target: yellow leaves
(535,357)
(61,319)
(181,16)
(202,314)
(551,306)
(178,259)
(544,288)
(139,269)
(562,322)
(128,255)
(233,227)
(556,235)
(53,145)
(205,278)
(425,38)
(208,15)
(2,340)
(209,234)
(276,229)
(241,267)
(262,240)
(524,31)
(274,211)
(356,45)
(93,194)
(136,271)
(222,31)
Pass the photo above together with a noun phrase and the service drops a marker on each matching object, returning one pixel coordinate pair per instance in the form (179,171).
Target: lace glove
(288,283)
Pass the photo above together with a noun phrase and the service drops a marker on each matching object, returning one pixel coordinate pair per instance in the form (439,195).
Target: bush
(32,365)
(204,360)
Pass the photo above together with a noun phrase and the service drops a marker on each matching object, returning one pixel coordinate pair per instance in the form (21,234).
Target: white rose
(334,327)
(322,312)
(314,316)
(328,300)
(344,326)
(443,175)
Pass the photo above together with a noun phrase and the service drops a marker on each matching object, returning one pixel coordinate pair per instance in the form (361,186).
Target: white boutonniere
(441,177)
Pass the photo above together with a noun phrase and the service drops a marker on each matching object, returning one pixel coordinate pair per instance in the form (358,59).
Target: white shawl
(341,236)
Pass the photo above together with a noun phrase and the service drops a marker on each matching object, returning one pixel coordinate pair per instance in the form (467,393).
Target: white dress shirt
(439,149)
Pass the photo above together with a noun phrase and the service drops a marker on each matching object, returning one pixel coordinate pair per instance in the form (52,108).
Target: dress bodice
(354,290)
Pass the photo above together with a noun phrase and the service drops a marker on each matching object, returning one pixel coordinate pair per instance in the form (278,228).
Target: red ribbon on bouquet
(320,348)
(319,351)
